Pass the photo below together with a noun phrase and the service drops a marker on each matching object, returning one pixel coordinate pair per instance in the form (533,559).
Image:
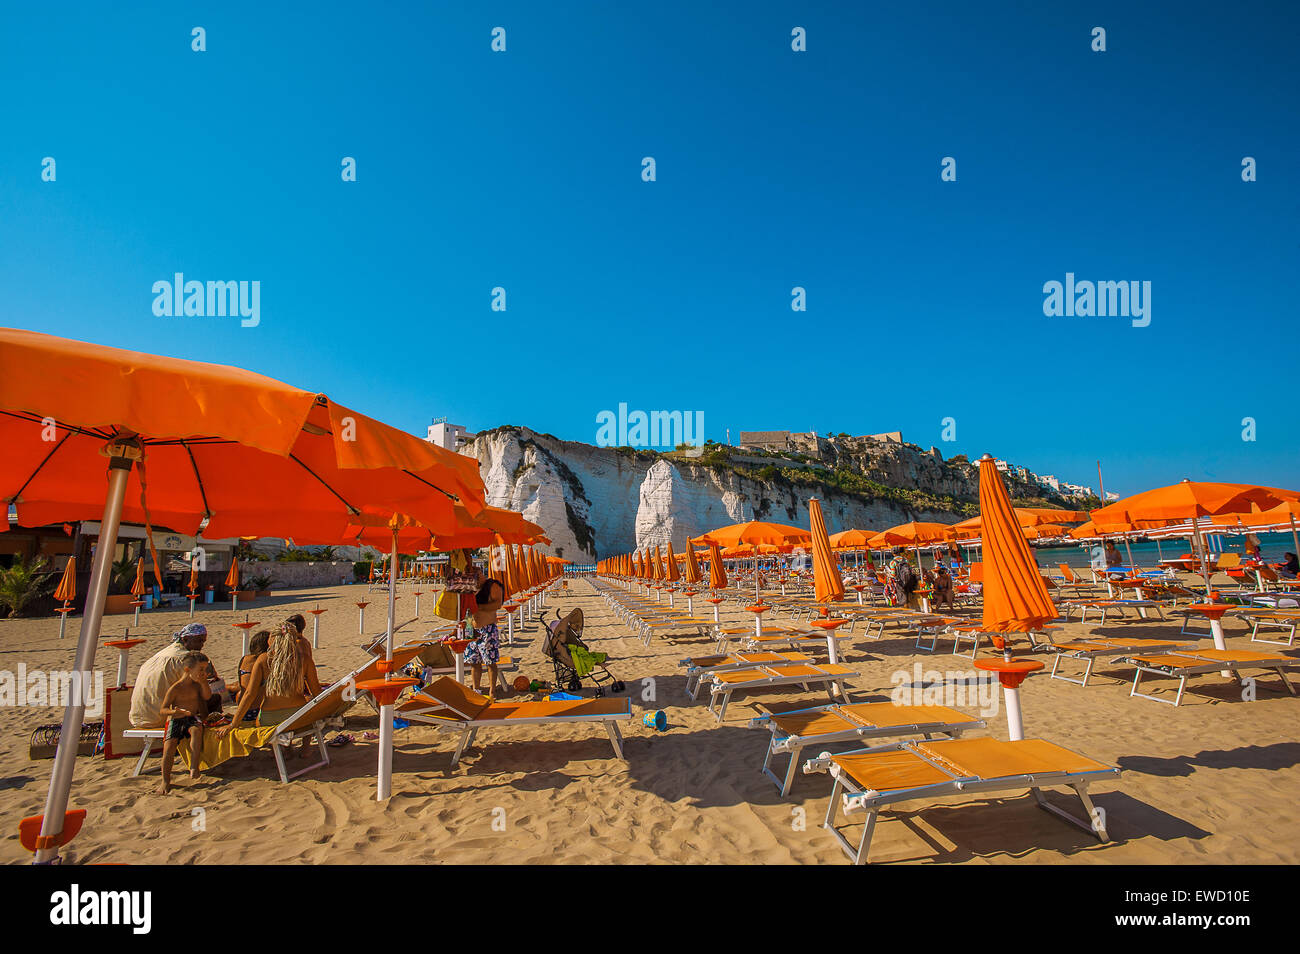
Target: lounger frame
(855,799)
(780,743)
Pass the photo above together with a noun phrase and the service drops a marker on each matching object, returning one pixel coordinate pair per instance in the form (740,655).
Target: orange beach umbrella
(828,586)
(67,588)
(1015,596)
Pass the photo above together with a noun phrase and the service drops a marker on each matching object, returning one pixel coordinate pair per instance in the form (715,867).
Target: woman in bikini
(283,679)
(258,645)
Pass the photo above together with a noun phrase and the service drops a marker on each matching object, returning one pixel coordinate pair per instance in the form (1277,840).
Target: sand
(1213,781)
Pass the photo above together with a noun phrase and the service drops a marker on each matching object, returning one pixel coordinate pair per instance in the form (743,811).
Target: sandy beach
(1212,781)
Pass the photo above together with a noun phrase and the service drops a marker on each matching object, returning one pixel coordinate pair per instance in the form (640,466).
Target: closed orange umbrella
(1015,596)
(67,588)
(137,588)
(636,566)
(670,563)
(232,578)
(194,578)
(828,586)
(693,574)
(717,573)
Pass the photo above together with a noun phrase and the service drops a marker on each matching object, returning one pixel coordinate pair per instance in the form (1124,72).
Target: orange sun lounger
(875,778)
(1196,662)
(446,704)
(698,667)
(795,730)
(726,682)
(1090,650)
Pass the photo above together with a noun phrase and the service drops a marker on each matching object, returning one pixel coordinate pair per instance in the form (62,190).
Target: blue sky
(819,169)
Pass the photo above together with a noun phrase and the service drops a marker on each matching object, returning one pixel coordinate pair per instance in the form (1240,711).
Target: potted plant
(120,579)
(261,586)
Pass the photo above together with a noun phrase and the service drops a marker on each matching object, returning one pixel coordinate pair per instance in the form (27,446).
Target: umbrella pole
(1295,538)
(1200,550)
(65,756)
(392,598)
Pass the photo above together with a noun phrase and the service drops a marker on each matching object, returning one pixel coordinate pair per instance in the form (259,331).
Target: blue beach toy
(657,720)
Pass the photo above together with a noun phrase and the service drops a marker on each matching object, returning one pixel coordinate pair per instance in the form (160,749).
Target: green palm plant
(122,575)
(24,582)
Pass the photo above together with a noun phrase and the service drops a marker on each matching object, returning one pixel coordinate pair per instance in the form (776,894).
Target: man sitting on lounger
(161,670)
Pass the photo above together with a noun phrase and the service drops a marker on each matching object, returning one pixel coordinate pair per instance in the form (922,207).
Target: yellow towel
(236,744)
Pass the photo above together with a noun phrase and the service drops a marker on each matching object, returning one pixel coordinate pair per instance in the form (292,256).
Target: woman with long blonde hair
(283,679)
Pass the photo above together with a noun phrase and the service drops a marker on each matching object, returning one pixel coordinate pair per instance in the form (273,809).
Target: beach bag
(447,606)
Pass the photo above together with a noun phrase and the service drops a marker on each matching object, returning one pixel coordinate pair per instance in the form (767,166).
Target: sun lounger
(794,731)
(446,704)
(313,718)
(1281,618)
(1090,650)
(1182,665)
(1117,606)
(875,778)
(309,721)
(700,666)
(723,684)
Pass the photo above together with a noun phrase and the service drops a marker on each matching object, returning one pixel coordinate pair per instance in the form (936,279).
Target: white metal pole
(65,756)
(1015,724)
(385,785)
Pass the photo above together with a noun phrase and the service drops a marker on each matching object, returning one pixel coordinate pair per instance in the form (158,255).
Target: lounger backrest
(1067,574)
(332,702)
(457,698)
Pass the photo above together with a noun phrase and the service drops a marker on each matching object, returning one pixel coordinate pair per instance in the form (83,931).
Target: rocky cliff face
(599,501)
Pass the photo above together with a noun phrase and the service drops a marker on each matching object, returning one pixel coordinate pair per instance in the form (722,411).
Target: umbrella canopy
(1015,596)
(912,533)
(194,578)
(1280,517)
(137,588)
(849,539)
(67,588)
(755,532)
(1189,500)
(197,432)
(636,566)
(828,587)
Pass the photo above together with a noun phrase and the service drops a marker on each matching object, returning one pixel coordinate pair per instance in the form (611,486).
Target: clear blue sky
(775,169)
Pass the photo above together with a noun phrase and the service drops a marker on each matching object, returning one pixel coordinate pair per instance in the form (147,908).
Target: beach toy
(536,685)
(657,720)
(561,696)
(522,684)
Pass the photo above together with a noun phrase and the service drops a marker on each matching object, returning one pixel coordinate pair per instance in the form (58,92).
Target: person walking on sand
(184,707)
(484,648)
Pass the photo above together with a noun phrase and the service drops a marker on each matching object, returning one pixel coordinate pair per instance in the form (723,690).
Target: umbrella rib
(40,467)
(198,477)
(351,509)
(450,496)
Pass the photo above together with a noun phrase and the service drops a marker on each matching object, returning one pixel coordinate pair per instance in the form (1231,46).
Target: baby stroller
(573,661)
